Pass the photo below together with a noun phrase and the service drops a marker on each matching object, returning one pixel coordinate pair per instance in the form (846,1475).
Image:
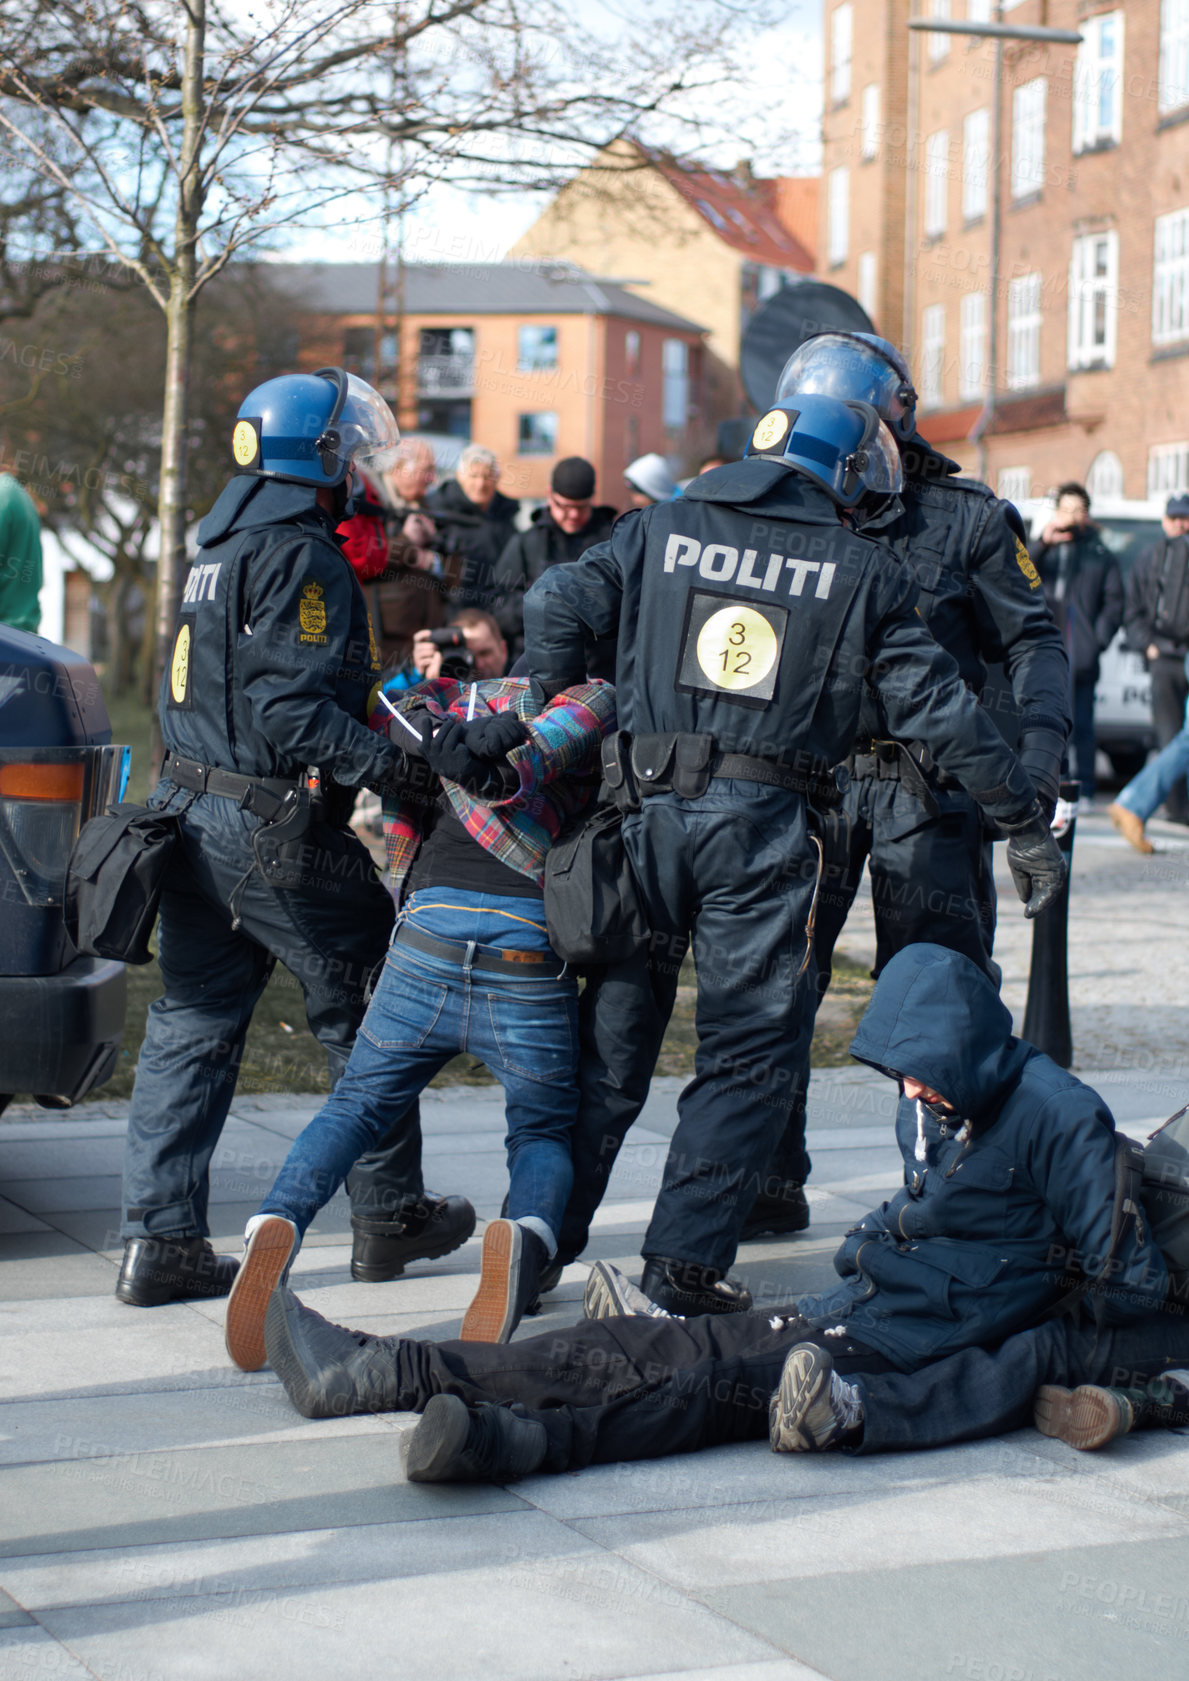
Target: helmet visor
(883,474)
(833,365)
(366,427)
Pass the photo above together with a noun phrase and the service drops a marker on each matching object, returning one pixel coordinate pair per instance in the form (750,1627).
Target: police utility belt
(676,762)
(264,796)
(898,761)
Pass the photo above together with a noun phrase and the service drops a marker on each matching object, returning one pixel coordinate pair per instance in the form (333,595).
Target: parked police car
(61,1015)
(1123,694)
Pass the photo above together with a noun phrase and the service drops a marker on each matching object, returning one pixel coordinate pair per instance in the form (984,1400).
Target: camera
(457,661)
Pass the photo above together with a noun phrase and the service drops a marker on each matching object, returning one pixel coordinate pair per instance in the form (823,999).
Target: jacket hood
(246,501)
(935,1016)
(600,513)
(922,461)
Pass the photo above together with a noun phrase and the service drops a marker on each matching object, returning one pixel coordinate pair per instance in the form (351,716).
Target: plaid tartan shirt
(559,770)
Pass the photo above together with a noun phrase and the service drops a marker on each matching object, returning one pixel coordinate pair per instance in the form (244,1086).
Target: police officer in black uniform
(750,619)
(925,843)
(262,714)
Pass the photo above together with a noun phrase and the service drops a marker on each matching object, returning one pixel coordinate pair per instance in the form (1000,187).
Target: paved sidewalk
(166,1516)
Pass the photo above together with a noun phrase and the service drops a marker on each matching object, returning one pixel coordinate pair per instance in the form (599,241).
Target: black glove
(1037,863)
(412,731)
(451,757)
(494,735)
(1041,752)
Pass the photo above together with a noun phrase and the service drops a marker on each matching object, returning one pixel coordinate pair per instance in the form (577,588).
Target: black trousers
(631,1388)
(1170,690)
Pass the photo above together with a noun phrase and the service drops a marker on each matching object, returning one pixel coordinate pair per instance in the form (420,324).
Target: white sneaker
(609,1295)
(813,1408)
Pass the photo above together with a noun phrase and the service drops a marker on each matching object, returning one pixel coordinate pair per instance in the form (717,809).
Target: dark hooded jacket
(476,536)
(272,661)
(531,553)
(1012,1192)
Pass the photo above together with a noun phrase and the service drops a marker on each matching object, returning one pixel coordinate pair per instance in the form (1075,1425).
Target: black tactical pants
(930,880)
(632,1388)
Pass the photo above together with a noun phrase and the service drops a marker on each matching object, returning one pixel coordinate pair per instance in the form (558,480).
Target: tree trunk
(171,505)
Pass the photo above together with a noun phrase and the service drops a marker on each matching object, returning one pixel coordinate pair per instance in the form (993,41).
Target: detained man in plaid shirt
(469,969)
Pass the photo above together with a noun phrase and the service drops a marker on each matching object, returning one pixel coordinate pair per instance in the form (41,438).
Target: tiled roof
(743,215)
(518,288)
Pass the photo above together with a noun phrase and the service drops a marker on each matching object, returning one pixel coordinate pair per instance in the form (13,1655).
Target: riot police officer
(749,619)
(262,706)
(925,844)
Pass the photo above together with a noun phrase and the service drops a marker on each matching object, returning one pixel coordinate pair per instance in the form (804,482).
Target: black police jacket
(981,595)
(1157,599)
(272,662)
(746,609)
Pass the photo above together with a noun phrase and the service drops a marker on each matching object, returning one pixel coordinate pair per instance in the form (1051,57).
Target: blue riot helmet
(310,428)
(844,447)
(861,367)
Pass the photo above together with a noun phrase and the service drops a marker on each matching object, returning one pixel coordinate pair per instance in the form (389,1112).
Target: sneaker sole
(261,1270)
(489,1317)
(801,1383)
(1084,1418)
(600,1299)
(439,1437)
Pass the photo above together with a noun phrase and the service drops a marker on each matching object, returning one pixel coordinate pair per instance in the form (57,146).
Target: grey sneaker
(609,1295)
(813,1409)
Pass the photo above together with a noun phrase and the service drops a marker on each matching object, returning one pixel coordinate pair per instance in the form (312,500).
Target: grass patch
(282,1055)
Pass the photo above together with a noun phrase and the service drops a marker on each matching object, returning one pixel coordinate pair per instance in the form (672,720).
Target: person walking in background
(1084,588)
(1156,618)
(20,556)
(1154,786)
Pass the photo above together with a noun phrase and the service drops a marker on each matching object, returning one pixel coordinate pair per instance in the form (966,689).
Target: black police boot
(454,1443)
(384,1244)
(509,1278)
(327,1370)
(779,1210)
(172,1269)
(686,1289)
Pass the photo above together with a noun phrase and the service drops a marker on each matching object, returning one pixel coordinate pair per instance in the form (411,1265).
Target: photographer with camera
(470,646)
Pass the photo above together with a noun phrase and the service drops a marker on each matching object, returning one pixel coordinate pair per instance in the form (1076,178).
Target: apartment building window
(867,275)
(1093,300)
(1174,54)
(1098,83)
(1028,138)
(939,45)
(937,172)
(841,35)
(675,388)
(869,131)
(1168,469)
(972,347)
(838,215)
(537,434)
(932,355)
(1023,332)
(979,11)
(976,156)
(1170,279)
(631,353)
(1014,484)
(1105,478)
(536,349)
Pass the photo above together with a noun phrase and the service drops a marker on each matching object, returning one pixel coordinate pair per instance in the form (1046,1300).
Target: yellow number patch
(737,648)
(770,431)
(179,670)
(245,443)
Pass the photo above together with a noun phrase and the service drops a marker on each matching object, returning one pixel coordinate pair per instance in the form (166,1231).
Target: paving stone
(13,1218)
(27,1651)
(46,1265)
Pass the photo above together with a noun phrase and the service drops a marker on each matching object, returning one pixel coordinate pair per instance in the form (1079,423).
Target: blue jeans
(424,1011)
(1156,781)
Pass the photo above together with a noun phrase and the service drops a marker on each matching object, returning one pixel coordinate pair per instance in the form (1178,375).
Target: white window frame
(869,123)
(1014,484)
(866,290)
(937,183)
(979,11)
(841,52)
(972,346)
(939,43)
(976,161)
(1170,278)
(1028,138)
(1024,321)
(837,215)
(675,384)
(1174,55)
(1093,300)
(1098,83)
(1104,480)
(1168,469)
(932,356)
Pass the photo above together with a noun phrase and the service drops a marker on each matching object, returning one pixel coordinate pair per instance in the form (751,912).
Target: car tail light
(45,796)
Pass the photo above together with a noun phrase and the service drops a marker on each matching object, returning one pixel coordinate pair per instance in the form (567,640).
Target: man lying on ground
(469,968)
(1008,1159)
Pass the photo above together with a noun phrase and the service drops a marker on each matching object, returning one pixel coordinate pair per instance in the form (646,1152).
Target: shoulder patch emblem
(1024,562)
(311,613)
